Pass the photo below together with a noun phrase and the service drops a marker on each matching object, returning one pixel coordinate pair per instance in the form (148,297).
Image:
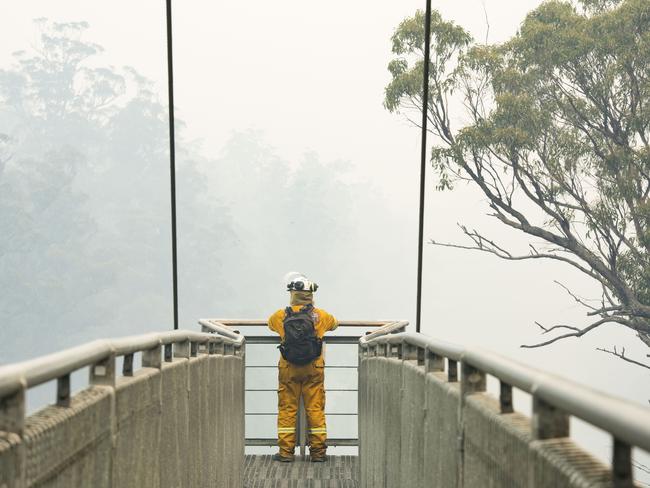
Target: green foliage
(558,116)
(448,40)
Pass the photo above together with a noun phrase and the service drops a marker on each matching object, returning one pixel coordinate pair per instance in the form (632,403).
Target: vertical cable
(423,167)
(172,157)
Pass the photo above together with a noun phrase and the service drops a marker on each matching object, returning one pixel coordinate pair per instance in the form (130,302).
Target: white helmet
(298,282)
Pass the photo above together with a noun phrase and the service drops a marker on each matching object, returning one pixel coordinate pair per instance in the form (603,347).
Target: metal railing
(301,421)
(554,399)
(100,356)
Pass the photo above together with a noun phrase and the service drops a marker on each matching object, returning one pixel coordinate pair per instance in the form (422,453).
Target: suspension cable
(172,157)
(423,167)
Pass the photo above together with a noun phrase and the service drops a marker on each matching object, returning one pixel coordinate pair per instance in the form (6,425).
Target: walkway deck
(336,472)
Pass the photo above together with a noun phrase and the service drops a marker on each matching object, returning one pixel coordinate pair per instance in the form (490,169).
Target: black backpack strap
(288,311)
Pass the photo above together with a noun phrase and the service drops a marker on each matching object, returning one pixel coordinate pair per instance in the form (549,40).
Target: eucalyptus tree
(555,134)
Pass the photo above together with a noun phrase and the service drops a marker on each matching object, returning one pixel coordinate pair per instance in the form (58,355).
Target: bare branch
(641,467)
(559,326)
(484,244)
(580,300)
(622,356)
(579,332)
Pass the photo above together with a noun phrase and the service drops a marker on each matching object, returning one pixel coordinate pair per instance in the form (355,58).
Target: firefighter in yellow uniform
(302,380)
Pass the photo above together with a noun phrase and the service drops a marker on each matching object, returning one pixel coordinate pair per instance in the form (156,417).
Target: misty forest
(84,195)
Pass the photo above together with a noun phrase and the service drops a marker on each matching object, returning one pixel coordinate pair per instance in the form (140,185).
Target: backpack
(301,345)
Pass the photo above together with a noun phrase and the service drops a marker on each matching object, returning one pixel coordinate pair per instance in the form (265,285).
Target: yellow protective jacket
(307,382)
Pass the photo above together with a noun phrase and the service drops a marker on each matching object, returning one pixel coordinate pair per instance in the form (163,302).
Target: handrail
(275,339)
(33,372)
(626,421)
(218,327)
(440,347)
(263,323)
(392,327)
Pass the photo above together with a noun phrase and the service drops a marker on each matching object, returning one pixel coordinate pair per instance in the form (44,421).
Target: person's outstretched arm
(275,321)
(329,321)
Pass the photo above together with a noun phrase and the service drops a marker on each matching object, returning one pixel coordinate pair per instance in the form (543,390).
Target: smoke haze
(286,161)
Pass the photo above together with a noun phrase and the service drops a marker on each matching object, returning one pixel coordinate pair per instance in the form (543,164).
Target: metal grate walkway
(336,472)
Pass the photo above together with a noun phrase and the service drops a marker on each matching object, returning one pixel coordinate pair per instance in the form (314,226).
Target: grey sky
(310,75)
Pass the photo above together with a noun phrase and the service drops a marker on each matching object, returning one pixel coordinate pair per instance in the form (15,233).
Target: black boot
(282,459)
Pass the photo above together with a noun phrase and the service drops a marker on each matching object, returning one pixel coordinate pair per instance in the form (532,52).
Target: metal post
(548,422)
(433,362)
(472,380)
(103,372)
(172,158)
(63,390)
(423,161)
(452,370)
(127,365)
(168,353)
(622,472)
(13,412)
(182,349)
(151,358)
(505,398)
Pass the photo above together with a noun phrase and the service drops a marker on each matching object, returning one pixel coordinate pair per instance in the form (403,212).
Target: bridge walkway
(175,416)
(261,471)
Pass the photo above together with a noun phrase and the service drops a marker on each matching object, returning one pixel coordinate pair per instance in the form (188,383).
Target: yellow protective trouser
(307,381)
